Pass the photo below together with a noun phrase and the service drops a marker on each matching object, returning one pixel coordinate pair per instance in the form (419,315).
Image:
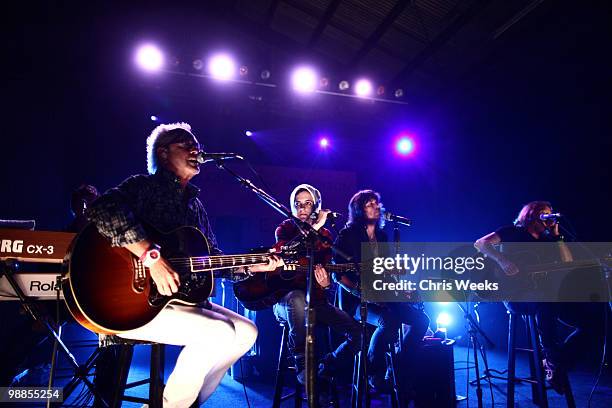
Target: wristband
(150,256)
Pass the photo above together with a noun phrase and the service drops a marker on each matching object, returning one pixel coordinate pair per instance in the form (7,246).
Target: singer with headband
(213,337)
(305,201)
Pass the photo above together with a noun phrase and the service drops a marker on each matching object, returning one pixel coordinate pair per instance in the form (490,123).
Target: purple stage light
(324,143)
(154,118)
(149,57)
(222,67)
(248,133)
(363,87)
(404,146)
(304,79)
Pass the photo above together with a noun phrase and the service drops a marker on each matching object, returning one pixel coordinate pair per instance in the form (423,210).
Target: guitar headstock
(290,255)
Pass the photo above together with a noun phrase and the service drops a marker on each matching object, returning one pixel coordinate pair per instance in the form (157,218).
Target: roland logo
(40,286)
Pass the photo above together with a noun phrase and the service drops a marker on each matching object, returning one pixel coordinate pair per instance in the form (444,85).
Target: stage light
(443,319)
(244,70)
(154,118)
(265,74)
(380,91)
(304,79)
(324,143)
(198,65)
(248,133)
(363,87)
(149,57)
(222,67)
(399,93)
(324,83)
(344,85)
(404,146)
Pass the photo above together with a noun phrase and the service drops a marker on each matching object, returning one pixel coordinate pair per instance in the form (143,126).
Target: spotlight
(324,83)
(380,90)
(363,87)
(222,67)
(304,79)
(154,118)
(399,92)
(248,133)
(265,74)
(344,85)
(324,143)
(198,65)
(244,70)
(404,146)
(443,319)
(149,58)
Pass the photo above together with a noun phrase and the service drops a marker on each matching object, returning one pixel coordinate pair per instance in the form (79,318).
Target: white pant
(213,340)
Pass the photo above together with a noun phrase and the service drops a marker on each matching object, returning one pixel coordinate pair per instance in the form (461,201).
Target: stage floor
(230,393)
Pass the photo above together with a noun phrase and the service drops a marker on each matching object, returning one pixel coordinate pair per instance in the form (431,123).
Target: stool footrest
(137,383)
(129,398)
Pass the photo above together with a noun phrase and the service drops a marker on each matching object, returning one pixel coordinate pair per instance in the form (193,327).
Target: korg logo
(17,246)
(9,246)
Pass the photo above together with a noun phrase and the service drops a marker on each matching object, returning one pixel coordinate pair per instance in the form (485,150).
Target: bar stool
(156,370)
(536,370)
(360,387)
(281,369)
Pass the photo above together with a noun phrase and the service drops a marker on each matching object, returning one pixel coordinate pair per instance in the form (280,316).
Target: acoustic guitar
(108,290)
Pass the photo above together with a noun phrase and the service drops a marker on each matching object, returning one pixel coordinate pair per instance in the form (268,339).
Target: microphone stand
(311,236)
(474,331)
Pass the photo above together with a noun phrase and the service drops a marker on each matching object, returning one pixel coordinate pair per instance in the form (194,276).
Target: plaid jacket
(157,200)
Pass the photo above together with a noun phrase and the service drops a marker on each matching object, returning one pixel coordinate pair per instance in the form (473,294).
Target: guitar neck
(556,266)
(218,262)
(334,267)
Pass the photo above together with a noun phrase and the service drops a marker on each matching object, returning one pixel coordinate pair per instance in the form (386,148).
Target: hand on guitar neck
(274,263)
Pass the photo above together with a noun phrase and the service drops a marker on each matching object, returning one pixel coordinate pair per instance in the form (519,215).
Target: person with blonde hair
(212,337)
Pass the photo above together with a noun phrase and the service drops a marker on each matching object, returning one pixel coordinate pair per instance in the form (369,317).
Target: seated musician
(213,338)
(306,205)
(365,226)
(529,227)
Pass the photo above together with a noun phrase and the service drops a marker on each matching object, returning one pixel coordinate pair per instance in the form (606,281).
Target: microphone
(397,218)
(205,157)
(554,216)
(330,215)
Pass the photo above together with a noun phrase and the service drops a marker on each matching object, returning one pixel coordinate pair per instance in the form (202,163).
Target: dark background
(527,119)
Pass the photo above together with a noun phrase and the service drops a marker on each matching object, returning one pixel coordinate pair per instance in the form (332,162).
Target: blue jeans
(388,318)
(292,310)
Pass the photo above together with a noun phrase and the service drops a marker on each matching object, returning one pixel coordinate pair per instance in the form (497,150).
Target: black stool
(536,369)
(360,387)
(281,369)
(156,377)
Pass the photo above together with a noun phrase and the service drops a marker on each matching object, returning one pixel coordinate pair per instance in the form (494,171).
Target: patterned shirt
(157,200)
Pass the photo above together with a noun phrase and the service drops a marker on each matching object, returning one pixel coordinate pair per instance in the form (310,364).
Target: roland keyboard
(38,256)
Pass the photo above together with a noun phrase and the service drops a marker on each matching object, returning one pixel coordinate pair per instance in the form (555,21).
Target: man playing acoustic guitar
(213,338)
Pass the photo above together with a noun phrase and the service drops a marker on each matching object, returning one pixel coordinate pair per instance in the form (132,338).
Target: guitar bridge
(140,276)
